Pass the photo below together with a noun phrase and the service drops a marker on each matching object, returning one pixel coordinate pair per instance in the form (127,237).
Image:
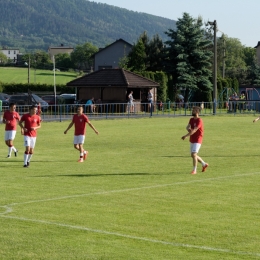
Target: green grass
(20,75)
(134,197)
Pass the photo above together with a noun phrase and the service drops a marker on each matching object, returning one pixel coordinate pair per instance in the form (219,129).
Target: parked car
(70,100)
(25,99)
(50,99)
(5,99)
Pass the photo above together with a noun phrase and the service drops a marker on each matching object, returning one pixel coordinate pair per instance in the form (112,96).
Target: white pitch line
(129,189)
(103,232)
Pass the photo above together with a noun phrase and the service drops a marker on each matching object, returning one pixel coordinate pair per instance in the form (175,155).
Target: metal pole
(54,84)
(224,57)
(215,67)
(29,64)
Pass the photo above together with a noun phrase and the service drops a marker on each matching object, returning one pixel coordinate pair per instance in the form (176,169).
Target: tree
(155,54)
(63,61)
(3,58)
(235,59)
(188,58)
(82,56)
(39,59)
(249,55)
(254,74)
(137,57)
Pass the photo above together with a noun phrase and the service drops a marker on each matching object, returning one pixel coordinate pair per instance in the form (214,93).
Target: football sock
(14,149)
(195,169)
(203,163)
(81,155)
(25,158)
(29,157)
(9,150)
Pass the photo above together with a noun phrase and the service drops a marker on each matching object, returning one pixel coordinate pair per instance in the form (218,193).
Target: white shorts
(10,134)
(29,141)
(194,147)
(79,139)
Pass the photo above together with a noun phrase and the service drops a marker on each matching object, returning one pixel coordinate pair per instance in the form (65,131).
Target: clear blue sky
(237,18)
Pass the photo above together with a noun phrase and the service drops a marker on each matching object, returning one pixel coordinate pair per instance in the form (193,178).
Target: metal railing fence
(139,109)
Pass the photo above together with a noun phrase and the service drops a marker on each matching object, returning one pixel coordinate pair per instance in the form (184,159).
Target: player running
(79,120)
(10,119)
(30,123)
(195,130)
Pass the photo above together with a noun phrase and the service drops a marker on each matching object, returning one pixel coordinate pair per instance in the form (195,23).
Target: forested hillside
(37,24)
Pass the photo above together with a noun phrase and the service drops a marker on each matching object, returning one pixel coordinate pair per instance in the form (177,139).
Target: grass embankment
(20,75)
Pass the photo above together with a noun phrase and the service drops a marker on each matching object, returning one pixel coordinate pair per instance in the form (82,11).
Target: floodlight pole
(215,99)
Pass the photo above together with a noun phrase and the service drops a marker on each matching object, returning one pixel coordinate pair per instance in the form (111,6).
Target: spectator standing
(131,102)
(150,98)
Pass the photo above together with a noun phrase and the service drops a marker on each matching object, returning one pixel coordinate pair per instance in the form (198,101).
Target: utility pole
(215,67)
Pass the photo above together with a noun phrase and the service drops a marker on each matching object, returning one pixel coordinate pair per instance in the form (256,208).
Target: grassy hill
(37,24)
(20,75)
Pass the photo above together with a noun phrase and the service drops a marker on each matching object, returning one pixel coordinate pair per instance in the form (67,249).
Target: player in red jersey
(30,123)
(195,130)
(10,119)
(79,120)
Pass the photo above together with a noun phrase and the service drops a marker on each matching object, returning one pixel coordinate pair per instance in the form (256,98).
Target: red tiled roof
(113,77)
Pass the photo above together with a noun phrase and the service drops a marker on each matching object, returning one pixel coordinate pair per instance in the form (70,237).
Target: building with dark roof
(113,86)
(110,56)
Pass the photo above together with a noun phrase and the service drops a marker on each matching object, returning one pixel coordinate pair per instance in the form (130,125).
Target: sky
(235,18)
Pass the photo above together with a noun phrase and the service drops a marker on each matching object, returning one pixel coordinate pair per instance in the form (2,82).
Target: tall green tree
(82,56)
(155,54)
(235,64)
(137,57)
(189,58)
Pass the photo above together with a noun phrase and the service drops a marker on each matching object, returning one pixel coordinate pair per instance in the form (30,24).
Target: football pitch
(134,196)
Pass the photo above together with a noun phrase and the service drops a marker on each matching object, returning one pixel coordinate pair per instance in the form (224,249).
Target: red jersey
(80,124)
(12,117)
(198,135)
(29,122)
(39,110)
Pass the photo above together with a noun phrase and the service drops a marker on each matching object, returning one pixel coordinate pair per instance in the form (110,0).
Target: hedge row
(11,88)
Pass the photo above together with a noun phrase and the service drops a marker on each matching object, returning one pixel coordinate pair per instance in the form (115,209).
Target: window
(14,52)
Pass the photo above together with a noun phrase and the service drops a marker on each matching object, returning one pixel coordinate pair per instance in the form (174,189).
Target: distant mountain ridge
(38,24)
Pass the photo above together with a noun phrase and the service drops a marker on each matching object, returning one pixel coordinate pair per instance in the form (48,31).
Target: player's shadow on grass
(102,175)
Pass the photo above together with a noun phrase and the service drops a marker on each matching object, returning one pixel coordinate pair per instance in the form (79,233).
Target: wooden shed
(113,86)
